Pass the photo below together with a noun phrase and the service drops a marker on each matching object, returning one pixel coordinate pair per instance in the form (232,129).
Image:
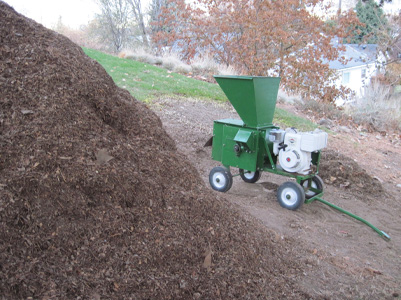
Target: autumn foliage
(288,38)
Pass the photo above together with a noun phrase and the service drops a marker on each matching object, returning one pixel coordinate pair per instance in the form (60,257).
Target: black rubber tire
(317,183)
(220,179)
(291,195)
(250,177)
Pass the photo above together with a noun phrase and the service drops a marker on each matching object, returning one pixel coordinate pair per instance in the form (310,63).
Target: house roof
(358,55)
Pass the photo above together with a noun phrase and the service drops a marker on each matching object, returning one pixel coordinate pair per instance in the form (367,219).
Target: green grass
(146,82)
(286,119)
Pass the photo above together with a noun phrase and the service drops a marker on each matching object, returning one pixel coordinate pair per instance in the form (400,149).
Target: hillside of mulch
(342,171)
(97,203)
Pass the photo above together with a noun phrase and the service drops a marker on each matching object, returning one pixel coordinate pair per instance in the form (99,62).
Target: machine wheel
(220,179)
(250,177)
(317,183)
(291,195)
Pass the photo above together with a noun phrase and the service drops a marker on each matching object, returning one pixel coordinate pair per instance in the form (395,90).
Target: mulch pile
(96,203)
(341,171)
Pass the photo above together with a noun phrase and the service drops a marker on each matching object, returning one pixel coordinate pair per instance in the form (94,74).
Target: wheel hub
(219,180)
(249,174)
(290,196)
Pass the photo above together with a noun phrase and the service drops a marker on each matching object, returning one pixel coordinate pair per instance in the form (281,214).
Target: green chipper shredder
(254,145)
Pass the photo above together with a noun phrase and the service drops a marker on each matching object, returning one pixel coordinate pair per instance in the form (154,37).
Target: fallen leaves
(26,111)
(102,157)
(373,271)
(207,263)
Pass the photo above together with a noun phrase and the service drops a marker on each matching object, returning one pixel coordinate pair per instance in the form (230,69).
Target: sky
(47,12)
(73,12)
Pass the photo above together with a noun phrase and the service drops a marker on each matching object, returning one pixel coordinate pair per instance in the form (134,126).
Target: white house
(363,63)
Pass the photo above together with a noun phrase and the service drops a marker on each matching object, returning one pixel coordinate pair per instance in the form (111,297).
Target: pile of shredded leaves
(341,171)
(95,200)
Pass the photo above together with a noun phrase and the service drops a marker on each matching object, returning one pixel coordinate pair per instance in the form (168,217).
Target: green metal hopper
(242,143)
(254,98)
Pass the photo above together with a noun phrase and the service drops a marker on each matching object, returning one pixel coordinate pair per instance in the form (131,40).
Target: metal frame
(319,194)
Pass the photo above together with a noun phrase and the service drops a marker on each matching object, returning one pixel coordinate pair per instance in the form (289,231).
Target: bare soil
(361,173)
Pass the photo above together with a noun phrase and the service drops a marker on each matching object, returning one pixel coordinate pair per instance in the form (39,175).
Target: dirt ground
(342,252)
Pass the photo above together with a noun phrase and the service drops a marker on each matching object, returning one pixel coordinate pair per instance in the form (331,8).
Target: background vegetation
(251,39)
(146,82)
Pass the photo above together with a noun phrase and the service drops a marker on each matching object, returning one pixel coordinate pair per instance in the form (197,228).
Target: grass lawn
(146,82)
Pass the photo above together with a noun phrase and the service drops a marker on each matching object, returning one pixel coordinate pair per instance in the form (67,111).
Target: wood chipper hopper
(253,145)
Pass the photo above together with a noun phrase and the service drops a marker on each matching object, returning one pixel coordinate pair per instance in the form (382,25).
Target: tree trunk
(137,10)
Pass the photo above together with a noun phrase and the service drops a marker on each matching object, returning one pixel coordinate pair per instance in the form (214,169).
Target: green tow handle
(380,232)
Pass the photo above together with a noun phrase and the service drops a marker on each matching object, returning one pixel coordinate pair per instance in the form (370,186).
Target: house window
(363,73)
(345,77)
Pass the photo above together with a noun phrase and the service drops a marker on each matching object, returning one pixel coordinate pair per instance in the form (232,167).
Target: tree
(373,23)
(122,23)
(390,43)
(114,22)
(156,9)
(260,37)
(138,14)
(164,16)
(393,41)
(79,36)
(381,2)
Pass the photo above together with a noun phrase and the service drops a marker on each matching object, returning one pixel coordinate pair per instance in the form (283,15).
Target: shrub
(141,55)
(377,108)
(204,67)
(226,70)
(182,69)
(171,62)
(321,109)
(283,97)
(158,60)
(207,65)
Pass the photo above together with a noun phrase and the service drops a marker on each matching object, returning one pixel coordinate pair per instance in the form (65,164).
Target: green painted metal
(253,97)
(254,150)
(268,148)
(247,157)
(316,160)
(244,136)
(380,232)
(234,122)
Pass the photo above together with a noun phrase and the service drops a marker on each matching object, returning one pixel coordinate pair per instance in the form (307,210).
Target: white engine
(294,149)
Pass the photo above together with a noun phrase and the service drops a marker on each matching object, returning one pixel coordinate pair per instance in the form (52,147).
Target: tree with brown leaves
(288,38)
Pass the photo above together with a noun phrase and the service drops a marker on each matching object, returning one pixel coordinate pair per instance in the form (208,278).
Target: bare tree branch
(138,14)
(115,15)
